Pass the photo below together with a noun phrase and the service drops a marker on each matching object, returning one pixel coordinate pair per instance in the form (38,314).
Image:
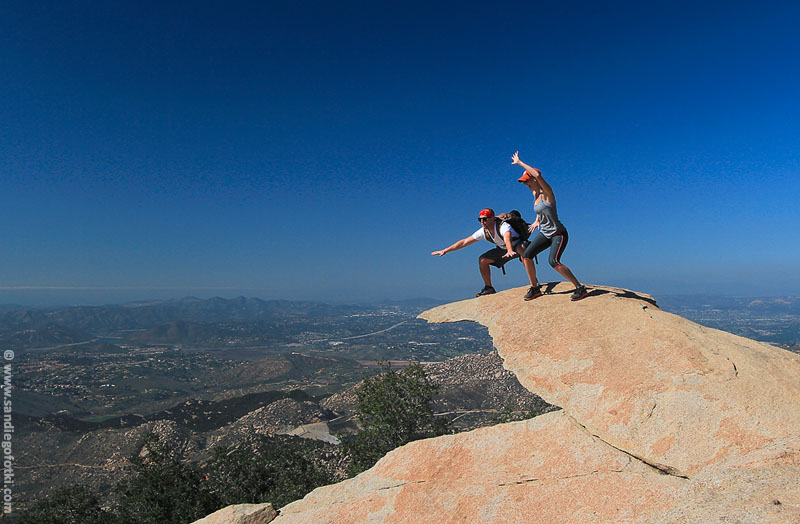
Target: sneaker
(579,293)
(487,290)
(533,292)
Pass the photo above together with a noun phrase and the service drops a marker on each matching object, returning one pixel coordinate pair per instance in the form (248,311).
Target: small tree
(163,491)
(393,409)
(266,469)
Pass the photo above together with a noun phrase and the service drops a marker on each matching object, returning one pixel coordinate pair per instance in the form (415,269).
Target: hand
(509,254)
(515,159)
(439,253)
(531,228)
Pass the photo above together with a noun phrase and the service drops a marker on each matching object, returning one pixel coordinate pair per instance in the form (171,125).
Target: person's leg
(530,267)
(558,243)
(537,245)
(485,261)
(557,249)
(486,271)
(564,270)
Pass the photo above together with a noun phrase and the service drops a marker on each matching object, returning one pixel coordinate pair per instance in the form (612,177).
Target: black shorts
(496,256)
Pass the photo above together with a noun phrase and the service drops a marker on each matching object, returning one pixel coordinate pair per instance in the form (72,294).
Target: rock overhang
(663,421)
(676,394)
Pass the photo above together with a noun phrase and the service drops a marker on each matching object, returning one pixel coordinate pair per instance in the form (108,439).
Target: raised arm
(537,175)
(464,242)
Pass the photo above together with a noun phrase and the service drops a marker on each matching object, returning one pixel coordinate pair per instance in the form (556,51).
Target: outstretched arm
(464,242)
(536,174)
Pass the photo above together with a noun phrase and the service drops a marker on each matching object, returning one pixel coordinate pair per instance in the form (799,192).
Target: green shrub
(163,490)
(511,415)
(393,409)
(266,469)
(71,505)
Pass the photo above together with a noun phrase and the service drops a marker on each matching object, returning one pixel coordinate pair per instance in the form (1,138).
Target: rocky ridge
(663,421)
(98,459)
(280,416)
(475,389)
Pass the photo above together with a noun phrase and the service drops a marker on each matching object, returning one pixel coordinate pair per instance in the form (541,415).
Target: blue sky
(322,150)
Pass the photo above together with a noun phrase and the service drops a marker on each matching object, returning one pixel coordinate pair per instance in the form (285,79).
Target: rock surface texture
(663,421)
(241,514)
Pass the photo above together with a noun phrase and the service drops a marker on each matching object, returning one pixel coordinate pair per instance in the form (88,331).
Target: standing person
(509,245)
(552,232)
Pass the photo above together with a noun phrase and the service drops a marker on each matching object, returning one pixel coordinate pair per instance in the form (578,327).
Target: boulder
(241,514)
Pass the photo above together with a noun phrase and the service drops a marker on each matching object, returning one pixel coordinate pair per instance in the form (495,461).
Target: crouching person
(509,245)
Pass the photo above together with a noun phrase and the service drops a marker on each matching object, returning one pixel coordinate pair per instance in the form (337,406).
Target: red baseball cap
(486,213)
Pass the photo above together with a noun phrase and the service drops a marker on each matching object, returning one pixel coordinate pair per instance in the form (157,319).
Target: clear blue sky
(322,150)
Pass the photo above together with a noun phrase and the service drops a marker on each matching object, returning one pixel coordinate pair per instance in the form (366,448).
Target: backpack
(517,223)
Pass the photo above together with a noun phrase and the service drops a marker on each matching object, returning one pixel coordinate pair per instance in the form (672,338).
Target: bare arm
(536,174)
(464,242)
(515,161)
(509,249)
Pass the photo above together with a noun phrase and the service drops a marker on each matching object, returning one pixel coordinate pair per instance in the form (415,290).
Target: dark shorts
(496,256)
(557,244)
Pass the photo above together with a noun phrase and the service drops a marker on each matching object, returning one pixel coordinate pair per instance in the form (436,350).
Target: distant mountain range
(144,315)
(173,320)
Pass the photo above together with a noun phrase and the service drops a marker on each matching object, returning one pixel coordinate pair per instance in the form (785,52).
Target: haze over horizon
(321,151)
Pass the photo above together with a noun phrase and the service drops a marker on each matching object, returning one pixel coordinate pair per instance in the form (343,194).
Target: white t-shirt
(499,240)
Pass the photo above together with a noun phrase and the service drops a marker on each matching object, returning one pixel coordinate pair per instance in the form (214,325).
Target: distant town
(122,369)
(775,320)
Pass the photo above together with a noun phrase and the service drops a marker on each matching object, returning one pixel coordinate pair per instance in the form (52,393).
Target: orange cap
(525,177)
(486,213)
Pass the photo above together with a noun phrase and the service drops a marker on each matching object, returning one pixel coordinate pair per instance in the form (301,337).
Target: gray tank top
(549,224)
